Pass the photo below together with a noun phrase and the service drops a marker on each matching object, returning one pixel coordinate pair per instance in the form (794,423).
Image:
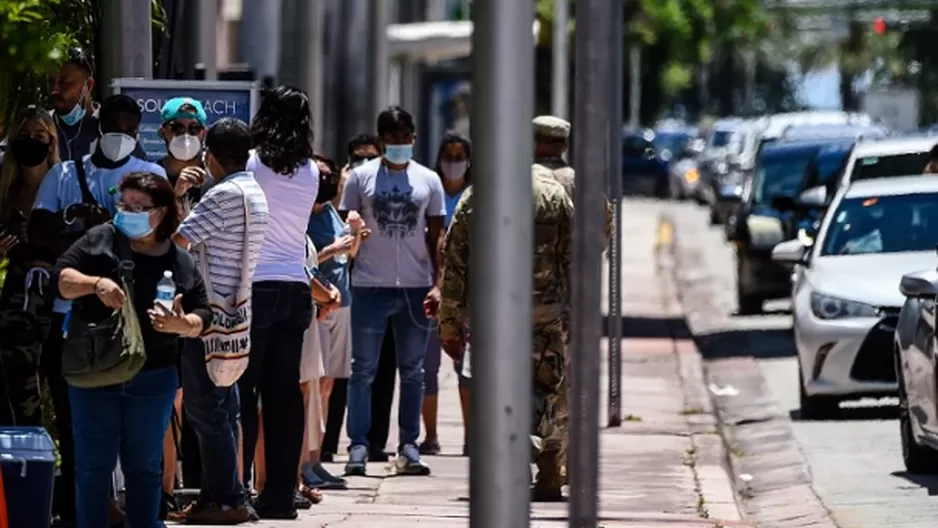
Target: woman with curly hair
(283,165)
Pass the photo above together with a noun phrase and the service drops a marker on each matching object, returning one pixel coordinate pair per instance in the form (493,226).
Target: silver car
(845,303)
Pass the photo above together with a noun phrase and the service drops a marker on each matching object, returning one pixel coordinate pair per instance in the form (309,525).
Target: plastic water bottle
(343,258)
(467,360)
(166,291)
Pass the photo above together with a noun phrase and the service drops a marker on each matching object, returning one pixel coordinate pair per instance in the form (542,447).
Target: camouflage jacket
(561,171)
(553,254)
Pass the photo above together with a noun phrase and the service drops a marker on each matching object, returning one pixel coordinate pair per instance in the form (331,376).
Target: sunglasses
(193,129)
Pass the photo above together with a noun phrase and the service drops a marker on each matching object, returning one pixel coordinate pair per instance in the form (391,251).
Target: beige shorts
(335,336)
(311,367)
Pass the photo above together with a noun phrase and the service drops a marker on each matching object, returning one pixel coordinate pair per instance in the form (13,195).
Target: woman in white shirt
(283,309)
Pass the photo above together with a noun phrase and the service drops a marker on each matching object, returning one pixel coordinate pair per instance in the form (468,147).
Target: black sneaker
(300,502)
(265,510)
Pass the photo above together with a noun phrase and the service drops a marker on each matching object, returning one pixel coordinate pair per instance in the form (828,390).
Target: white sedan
(845,299)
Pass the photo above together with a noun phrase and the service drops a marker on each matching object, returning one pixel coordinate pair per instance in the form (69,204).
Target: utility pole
(260,36)
(635,86)
(614,417)
(207,15)
(560,89)
(379,18)
(502,235)
(591,158)
(126,41)
(308,40)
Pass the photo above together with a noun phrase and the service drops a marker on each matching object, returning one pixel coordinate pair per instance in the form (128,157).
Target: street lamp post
(614,373)
(501,263)
(561,59)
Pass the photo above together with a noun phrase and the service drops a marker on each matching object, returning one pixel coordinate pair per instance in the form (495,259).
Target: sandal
(311,494)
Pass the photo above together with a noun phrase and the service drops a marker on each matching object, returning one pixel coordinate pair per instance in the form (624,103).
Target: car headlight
(827,307)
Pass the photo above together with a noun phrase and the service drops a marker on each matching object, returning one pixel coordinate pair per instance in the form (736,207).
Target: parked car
(643,171)
(825,168)
(845,304)
(759,222)
(726,179)
(684,176)
(859,131)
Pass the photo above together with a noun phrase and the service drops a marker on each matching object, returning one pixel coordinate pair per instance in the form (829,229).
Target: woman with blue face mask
(127,421)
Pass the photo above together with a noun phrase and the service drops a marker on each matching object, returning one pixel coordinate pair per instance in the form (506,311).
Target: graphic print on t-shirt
(396,214)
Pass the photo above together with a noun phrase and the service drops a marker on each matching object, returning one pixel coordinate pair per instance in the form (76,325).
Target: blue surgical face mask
(133,224)
(399,154)
(75,115)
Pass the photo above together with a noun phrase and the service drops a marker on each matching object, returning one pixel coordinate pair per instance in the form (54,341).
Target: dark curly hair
(449,139)
(282,130)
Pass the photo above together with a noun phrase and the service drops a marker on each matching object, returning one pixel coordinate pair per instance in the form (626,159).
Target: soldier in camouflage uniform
(551,140)
(553,215)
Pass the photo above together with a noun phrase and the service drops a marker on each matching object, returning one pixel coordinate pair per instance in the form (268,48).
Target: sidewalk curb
(709,456)
(771,479)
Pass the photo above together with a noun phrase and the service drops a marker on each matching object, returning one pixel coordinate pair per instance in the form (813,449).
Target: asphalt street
(853,463)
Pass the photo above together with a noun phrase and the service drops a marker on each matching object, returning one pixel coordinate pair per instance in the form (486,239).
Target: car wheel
(662,188)
(918,459)
(819,407)
(746,303)
(714,217)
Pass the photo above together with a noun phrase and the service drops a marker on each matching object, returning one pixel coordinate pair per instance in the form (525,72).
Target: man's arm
(207,217)
(351,199)
(565,250)
(436,216)
(454,286)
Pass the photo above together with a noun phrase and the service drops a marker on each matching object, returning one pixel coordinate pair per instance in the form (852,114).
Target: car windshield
(870,167)
(721,138)
(779,175)
(828,165)
(886,224)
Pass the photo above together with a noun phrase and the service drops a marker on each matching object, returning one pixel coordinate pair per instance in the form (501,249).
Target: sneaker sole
(354,471)
(421,472)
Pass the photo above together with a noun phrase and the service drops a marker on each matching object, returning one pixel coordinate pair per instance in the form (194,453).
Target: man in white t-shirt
(395,275)
(219,222)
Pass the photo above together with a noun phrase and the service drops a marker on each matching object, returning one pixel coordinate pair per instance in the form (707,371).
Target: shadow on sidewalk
(929,482)
(758,343)
(649,327)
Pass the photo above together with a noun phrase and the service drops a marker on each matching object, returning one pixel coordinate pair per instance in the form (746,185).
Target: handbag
(227,339)
(109,352)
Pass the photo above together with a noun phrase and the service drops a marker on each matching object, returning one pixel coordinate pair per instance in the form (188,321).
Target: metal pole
(591,116)
(379,52)
(561,60)
(635,86)
(615,196)
(207,15)
(502,233)
(308,39)
(136,51)
(260,36)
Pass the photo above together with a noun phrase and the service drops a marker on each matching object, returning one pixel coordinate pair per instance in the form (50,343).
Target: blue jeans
(371,308)
(213,412)
(129,421)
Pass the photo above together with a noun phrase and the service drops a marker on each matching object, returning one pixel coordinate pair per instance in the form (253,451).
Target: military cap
(551,127)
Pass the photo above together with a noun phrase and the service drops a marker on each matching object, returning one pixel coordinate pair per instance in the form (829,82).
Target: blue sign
(220,99)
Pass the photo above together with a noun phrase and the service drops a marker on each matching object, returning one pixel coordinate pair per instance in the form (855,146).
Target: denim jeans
(282,313)
(213,413)
(129,421)
(371,308)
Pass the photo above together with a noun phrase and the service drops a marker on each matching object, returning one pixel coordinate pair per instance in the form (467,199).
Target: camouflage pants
(24,323)
(551,417)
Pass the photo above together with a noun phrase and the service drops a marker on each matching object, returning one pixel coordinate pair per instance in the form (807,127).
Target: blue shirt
(451,201)
(59,189)
(323,229)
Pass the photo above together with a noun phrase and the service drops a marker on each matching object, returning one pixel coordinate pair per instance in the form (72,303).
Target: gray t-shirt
(395,205)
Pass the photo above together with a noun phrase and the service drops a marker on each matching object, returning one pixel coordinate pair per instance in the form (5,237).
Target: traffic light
(879,26)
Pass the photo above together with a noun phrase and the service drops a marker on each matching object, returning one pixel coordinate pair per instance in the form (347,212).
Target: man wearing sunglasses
(183,131)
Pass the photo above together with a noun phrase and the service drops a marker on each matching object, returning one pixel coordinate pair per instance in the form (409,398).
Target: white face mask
(454,170)
(116,146)
(185,147)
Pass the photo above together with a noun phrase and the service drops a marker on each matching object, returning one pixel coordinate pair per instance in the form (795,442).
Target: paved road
(854,463)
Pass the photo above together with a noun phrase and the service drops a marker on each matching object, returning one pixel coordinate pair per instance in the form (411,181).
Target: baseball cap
(177,108)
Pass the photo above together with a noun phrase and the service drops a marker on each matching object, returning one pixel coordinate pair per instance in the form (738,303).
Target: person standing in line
(283,165)
(452,165)
(64,210)
(553,254)
(76,116)
(395,276)
(220,222)
(183,130)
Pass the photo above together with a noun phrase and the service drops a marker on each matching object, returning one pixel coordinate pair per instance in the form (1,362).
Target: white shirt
(290,200)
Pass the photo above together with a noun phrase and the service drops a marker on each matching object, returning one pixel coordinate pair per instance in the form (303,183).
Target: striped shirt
(218,222)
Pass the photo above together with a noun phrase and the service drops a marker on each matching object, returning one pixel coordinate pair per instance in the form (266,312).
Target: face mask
(185,147)
(398,154)
(454,170)
(29,151)
(77,113)
(133,224)
(327,191)
(116,146)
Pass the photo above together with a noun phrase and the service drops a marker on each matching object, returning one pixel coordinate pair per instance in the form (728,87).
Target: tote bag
(228,338)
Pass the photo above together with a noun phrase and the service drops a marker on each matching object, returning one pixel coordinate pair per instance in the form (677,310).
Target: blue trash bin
(27,458)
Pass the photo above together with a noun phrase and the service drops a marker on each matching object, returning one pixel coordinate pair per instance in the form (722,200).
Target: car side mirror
(918,285)
(813,198)
(789,252)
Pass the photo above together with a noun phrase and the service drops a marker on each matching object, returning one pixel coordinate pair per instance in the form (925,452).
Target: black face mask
(29,151)
(328,189)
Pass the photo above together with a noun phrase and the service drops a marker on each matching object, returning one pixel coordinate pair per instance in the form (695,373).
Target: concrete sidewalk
(662,467)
